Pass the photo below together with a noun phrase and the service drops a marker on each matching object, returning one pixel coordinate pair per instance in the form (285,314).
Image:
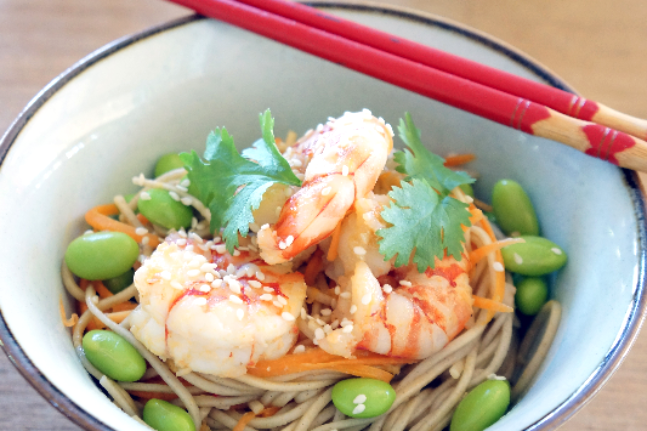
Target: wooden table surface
(597,46)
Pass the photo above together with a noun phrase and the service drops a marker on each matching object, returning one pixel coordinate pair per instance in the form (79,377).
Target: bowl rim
(634,316)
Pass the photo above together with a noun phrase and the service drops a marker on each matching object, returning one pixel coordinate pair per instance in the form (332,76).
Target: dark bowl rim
(616,354)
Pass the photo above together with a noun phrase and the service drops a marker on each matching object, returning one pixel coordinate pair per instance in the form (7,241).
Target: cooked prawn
(393,311)
(212,312)
(340,162)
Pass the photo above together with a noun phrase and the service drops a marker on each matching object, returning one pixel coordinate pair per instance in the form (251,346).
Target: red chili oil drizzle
(448,273)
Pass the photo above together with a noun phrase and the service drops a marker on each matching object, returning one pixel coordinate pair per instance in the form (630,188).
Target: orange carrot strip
(98,218)
(74,318)
(142,218)
(489,304)
(101,289)
(459,159)
(477,215)
(481,252)
(314,267)
(124,306)
(243,421)
(332,251)
(499,283)
(269,411)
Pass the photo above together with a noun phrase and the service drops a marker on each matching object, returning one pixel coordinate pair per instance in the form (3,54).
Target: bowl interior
(164,93)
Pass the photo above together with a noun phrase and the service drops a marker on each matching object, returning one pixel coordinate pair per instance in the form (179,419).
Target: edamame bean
(467,189)
(483,406)
(165,211)
(101,255)
(164,416)
(363,398)
(531,295)
(120,282)
(166,163)
(513,209)
(113,356)
(537,256)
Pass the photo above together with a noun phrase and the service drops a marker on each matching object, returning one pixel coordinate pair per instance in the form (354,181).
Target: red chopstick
(485,101)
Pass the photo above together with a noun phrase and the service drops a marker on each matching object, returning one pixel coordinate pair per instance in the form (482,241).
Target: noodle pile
(427,391)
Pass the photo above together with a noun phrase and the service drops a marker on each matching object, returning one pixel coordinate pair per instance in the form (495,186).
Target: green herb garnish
(423,216)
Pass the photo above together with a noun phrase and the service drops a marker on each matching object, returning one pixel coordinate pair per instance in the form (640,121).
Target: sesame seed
(240,314)
(207,267)
(235,299)
(359,408)
(353,308)
(326,191)
(344,170)
(144,196)
(185,182)
(282,300)
(345,322)
(326,312)
(277,304)
(181,241)
(220,248)
(360,399)
(194,263)
(387,288)
(347,329)
(174,196)
(518,259)
(182,188)
(282,245)
(141,231)
(327,329)
(266,297)
(217,239)
(231,268)
(360,251)
(194,221)
(204,288)
(335,324)
(236,253)
(216,284)
(201,301)
(366,299)
(289,240)
(186,201)
(405,283)
(268,289)
(345,295)
(176,285)
(299,349)
(254,283)
(189,247)
(260,275)
(193,272)
(337,290)
(498,267)
(319,334)
(145,240)
(555,250)
(165,275)
(287,316)
(182,233)
(234,285)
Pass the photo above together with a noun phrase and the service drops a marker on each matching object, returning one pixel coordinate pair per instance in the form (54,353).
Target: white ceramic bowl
(106,119)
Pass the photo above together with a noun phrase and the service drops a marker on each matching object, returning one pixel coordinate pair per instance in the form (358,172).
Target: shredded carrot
(142,218)
(117,317)
(243,421)
(101,289)
(73,320)
(268,411)
(124,306)
(499,284)
(481,252)
(332,251)
(314,267)
(459,159)
(98,218)
(489,304)
(477,215)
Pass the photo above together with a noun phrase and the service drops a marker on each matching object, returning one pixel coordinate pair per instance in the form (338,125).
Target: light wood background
(599,47)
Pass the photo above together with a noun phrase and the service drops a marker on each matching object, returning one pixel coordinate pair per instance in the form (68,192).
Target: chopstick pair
(498,96)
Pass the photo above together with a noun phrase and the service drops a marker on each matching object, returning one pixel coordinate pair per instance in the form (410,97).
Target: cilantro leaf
(424,221)
(418,162)
(233,186)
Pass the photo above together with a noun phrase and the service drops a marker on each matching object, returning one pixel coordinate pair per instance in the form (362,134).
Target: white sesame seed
(327,329)
(234,285)
(141,231)
(189,247)
(255,283)
(345,295)
(193,272)
(240,314)
(282,245)
(204,288)
(360,251)
(344,170)
(268,289)
(176,285)
(337,290)
(182,188)
(236,253)
(186,201)
(556,250)
(326,312)
(353,308)
(366,299)
(287,316)
(266,297)
(319,334)
(145,240)
(277,304)
(207,267)
(220,248)
(194,221)
(345,322)
(405,283)
(216,284)
(181,241)
(498,267)
(360,399)
(144,196)
(518,259)
(319,321)
(300,349)
(201,301)
(347,329)
(182,233)
(335,324)
(194,263)
(282,300)
(231,268)
(194,236)
(185,182)
(326,191)
(174,196)
(289,240)
(260,275)
(359,408)
(235,299)
(387,288)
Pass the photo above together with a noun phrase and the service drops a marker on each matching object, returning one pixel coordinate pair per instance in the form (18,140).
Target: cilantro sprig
(424,219)
(232,185)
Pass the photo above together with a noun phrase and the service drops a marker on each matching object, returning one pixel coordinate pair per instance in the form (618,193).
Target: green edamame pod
(164,416)
(363,398)
(513,210)
(120,282)
(165,211)
(166,163)
(115,357)
(483,406)
(532,293)
(101,255)
(537,256)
